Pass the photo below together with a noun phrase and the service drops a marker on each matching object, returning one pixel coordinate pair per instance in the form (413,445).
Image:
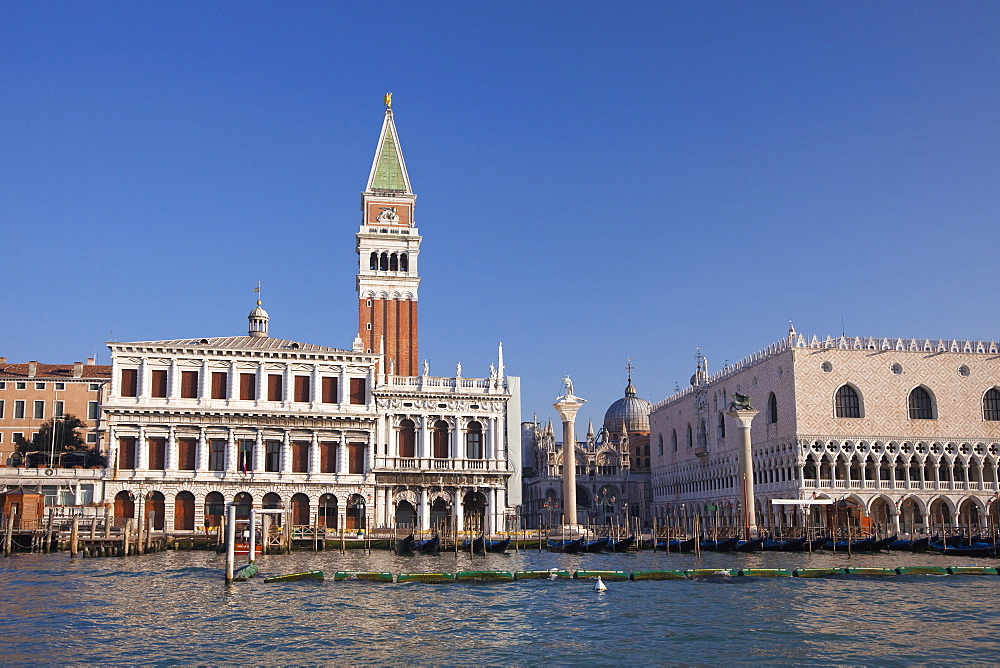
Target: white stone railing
(432,464)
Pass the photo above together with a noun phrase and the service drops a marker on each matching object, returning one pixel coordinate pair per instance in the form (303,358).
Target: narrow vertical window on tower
(404,264)
(373,263)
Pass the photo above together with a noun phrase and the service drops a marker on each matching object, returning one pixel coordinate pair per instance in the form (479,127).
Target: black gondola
(482,545)
(405,546)
(883,544)
(429,546)
(793,545)
(677,545)
(974,550)
(623,545)
(755,545)
(595,546)
(566,546)
(727,545)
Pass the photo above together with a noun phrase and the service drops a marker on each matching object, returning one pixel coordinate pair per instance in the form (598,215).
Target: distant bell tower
(388,245)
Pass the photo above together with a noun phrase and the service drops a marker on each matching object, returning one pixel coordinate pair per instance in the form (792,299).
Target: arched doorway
(881,517)
(215,508)
(970,518)
(124,507)
(355,512)
(155,507)
(244,504)
(406,516)
(475,511)
(440,516)
(582,502)
(300,510)
(272,501)
(939,517)
(327,511)
(910,518)
(184,511)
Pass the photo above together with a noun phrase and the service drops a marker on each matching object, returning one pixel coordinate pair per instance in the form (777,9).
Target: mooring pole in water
(74,537)
(8,534)
(230,541)
(252,555)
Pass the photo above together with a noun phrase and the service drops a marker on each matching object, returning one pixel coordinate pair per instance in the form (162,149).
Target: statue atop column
(740,402)
(567,387)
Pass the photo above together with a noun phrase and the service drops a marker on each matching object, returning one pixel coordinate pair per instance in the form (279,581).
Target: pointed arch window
(673,440)
(772,408)
(659,445)
(847,403)
(921,404)
(991,404)
(690,440)
(722,426)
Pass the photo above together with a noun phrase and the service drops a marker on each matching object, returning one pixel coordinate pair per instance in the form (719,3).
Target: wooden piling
(93,527)
(8,535)
(74,538)
(107,521)
(126,537)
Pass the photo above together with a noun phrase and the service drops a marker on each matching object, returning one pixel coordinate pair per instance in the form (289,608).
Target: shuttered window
(300,456)
(157,454)
(330,390)
(248,386)
(130,382)
(328,457)
(126,452)
(159,383)
(189,384)
(186,448)
(302,393)
(274,387)
(219,382)
(358,391)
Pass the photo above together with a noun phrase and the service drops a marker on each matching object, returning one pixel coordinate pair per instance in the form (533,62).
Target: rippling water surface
(173,608)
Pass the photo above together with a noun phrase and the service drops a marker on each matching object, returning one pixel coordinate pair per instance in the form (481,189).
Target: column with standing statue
(568,405)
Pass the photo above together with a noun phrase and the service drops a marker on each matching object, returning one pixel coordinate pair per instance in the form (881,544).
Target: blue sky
(596,181)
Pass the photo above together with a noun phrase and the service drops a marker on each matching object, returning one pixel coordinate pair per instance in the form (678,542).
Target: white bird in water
(600,586)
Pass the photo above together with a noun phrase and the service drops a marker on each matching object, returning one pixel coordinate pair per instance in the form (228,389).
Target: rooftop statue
(740,402)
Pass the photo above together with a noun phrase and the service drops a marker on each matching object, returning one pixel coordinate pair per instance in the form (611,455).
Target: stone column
(424,521)
(568,406)
(314,453)
(171,454)
(457,509)
(142,451)
(745,416)
(231,452)
(286,452)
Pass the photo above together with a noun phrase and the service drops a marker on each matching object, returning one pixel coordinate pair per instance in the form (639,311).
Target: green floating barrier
(972,570)
(922,570)
(815,572)
(766,572)
(706,572)
(373,576)
(659,575)
(295,577)
(433,578)
(610,576)
(541,575)
(485,576)
(245,572)
(872,572)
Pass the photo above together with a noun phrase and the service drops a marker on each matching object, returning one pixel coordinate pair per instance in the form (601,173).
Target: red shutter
(130,382)
(126,452)
(219,389)
(248,386)
(274,388)
(159,388)
(157,454)
(358,392)
(185,454)
(330,390)
(189,384)
(302,389)
(300,456)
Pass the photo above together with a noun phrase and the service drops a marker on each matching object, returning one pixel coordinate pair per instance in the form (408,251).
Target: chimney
(78,369)
(90,361)
(3,360)
(32,369)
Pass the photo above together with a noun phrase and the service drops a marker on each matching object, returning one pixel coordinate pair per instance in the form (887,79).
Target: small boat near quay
(565,546)
(623,545)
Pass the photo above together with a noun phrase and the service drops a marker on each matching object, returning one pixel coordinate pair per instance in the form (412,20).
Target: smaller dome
(258,322)
(631,410)
(259,312)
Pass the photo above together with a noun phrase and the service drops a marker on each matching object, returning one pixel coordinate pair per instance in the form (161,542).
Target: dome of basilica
(630,408)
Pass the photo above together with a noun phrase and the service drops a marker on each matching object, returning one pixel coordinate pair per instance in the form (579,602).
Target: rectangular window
(330,390)
(186,448)
(358,391)
(248,386)
(38,411)
(300,456)
(3,385)
(157,453)
(1,437)
(91,438)
(189,384)
(58,408)
(159,383)
(21,385)
(302,389)
(272,456)
(126,452)
(219,381)
(39,386)
(60,386)
(217,454)
(19,409)
(274,387)
(328,457)
(93,410)
(130,383)
(245,452)
(1,408)
(95,387)
(356,458)
(17,436)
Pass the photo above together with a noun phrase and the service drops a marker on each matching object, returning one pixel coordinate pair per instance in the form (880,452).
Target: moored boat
(726,545)
(428,546)
(566,546)
(754,545)
(405,546)
(973,550)
(595,546)
(623,545)
(793,545)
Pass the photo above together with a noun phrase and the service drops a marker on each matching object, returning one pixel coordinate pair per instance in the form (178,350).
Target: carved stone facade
(904,431)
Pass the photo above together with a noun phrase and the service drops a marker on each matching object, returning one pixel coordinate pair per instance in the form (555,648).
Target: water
(173,608)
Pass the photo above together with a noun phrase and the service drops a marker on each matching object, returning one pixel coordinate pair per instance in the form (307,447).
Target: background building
(612,469)
(903,434)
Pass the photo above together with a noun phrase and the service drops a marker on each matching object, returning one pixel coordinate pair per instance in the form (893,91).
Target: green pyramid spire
(389,170)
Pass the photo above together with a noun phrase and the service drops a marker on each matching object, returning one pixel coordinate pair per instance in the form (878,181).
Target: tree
(67,440)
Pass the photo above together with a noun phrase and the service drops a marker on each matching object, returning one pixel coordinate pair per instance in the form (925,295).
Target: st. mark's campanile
(388,245)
